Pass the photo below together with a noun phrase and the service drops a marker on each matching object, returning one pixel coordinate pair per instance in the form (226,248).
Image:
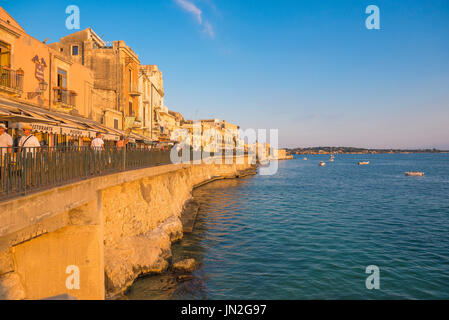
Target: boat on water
(322,163)
(331,158)
(305,158)
(414,173)
(363,163)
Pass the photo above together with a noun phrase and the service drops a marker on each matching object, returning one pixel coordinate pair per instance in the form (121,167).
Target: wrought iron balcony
(64,97)
(11,80)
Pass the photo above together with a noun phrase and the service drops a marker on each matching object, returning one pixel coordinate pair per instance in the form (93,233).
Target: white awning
(42,127)
(76,132)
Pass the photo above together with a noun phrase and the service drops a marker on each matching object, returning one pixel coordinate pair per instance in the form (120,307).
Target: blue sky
(309,68)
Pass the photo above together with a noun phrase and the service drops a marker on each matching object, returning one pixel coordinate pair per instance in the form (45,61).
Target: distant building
(151,101)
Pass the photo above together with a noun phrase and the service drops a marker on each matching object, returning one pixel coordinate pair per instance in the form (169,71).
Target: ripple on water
(309,232)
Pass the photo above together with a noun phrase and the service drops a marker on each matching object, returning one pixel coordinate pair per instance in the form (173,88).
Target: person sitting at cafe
(28,141)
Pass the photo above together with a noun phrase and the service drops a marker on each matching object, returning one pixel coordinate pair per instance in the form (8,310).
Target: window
(130,109)
(5,54)
(61,93)
(130,79)
(62,79)
(74,50)
(115,123)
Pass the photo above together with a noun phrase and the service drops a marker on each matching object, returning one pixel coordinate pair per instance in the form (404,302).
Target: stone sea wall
(142,219)
(113,228)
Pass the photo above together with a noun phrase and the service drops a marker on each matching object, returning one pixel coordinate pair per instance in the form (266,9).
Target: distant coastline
(353,150)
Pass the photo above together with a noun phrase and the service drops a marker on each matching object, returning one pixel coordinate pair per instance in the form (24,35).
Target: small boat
(305,158)
(414,173)
(322,163)
(363,163)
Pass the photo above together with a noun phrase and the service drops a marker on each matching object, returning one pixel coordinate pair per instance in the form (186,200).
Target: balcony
(137,123)
(64,97)
(11,80)
(146,99)
(134,91)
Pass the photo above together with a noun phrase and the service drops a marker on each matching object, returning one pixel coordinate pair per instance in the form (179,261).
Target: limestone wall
(113,228)
(142,218)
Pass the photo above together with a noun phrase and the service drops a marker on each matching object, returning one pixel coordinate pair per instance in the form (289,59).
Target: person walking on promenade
(122,143)
(97,144)
(28,142)
(5,149)
(5,141)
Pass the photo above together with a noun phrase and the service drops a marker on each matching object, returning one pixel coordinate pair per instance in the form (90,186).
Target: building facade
(116,71)
(72,89)
(36,81)
(151,101)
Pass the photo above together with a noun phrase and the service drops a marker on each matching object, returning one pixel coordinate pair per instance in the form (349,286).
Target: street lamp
(42,87)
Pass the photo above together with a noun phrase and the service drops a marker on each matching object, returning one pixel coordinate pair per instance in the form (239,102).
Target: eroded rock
(134,256)
(6,262)
(11,288)
(185,277)
(139,255)
(173,227)
(186,265)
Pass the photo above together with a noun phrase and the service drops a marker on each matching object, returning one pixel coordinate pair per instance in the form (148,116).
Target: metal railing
(34,169)
(31,169)
(65,97)
(11,79)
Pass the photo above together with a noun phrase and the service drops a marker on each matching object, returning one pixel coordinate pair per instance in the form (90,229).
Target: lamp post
(43,85)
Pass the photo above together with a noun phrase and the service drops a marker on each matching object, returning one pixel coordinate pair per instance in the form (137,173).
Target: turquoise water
(309,232)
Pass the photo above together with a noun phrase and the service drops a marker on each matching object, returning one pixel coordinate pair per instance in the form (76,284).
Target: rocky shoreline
(150,253)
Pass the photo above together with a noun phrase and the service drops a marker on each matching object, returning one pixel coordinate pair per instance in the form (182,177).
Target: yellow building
(169,123)
(152,88)
(231,135)
(42,86)
(116,69)
(33,72)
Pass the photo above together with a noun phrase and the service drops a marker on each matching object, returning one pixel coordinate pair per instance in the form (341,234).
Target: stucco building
(115,69)
(71,89)
(41,86)
(32,71)
(150,102)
